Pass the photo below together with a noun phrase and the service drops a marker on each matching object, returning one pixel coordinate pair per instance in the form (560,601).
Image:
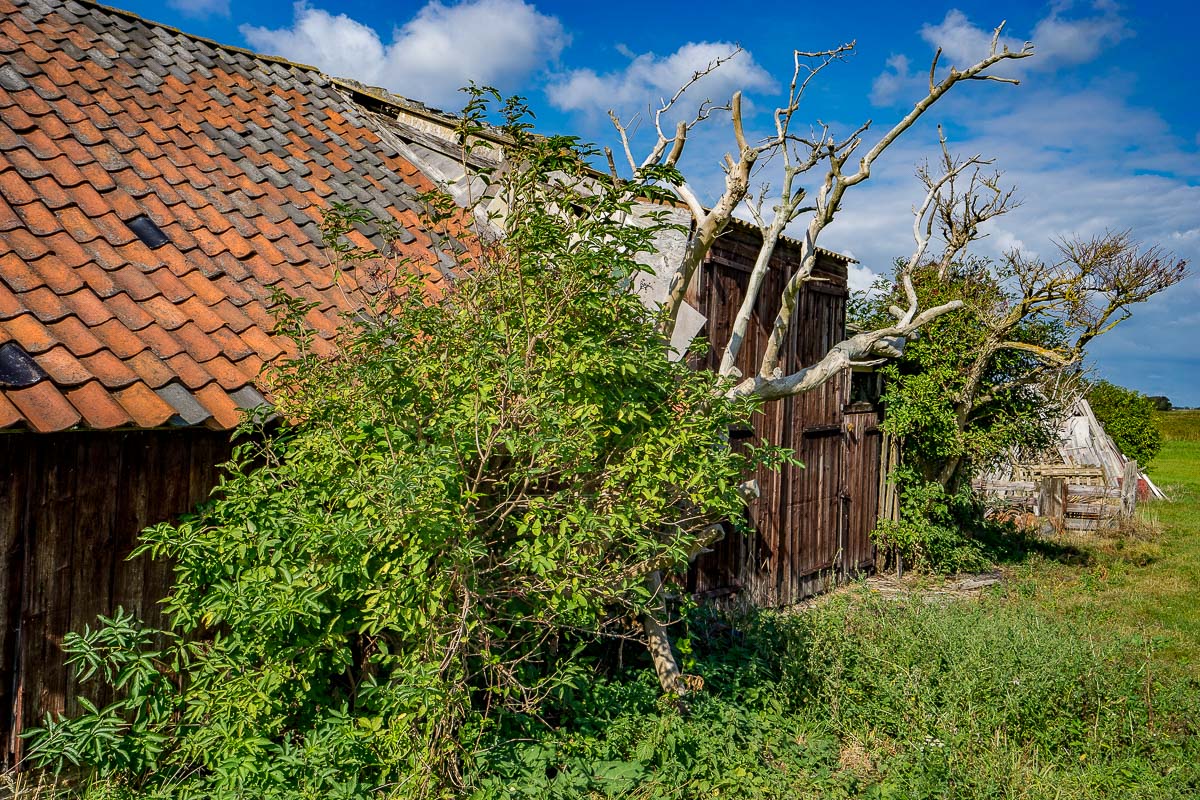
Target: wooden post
(1052,505)
(1129,487)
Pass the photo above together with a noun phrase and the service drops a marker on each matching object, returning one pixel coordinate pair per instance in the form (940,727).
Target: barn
(810,527)
(157,192)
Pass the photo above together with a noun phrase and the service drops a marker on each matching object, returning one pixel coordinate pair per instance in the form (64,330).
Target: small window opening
(150,234)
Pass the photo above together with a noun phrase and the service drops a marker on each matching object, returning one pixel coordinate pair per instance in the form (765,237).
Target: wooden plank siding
(69,516)
(810,526)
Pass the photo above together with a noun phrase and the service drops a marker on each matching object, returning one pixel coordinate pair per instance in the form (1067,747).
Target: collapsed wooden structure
(1084,483)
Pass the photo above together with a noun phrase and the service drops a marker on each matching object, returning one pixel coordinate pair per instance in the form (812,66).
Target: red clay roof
(105,118)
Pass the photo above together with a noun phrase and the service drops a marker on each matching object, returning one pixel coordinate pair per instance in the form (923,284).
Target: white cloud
(962,42)
(860,277)
(648,78)
(442,48)
(896,80)
(1063,41)
(201,8)
(1059,41)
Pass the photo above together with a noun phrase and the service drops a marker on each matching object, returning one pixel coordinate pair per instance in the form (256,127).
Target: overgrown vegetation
(1128,417)
(988,382)
(456,505)
(867,697)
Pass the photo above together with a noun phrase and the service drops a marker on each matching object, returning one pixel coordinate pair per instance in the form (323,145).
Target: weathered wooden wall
(810,524)
(70,512)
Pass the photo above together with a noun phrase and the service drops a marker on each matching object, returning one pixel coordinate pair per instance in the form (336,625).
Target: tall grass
(873,698)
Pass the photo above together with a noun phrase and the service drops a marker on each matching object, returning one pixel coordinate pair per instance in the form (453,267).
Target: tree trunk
(657,639)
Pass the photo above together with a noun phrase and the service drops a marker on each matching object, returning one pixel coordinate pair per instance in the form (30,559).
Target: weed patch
(865,697)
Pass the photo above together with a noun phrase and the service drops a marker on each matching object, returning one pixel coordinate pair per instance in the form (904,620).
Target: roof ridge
(129,15)
(377,93)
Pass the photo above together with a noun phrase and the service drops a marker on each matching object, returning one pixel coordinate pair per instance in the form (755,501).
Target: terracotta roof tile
(199,345)
(147,409)
(67,253)
(229,156)
(62,367)
(128,311)
(44,408)
(171,287)
(8,217)
(131,281)
(16,118)
(14,187)
(122,342)
(96,405)
(9,414)
(224,411)
(16,274)
(233,290)
(231,344)
(231,315)
(90,309)
(189,371)
(10,306)
(40,220)
(151,369)
(231,376)
(160,340)
(25,244)
(48,192)
(264,345)
(32,335)
(97,279)
(110,370)
(77,337)
(45,304)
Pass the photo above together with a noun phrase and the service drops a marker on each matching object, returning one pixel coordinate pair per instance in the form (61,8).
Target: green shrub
(454,503)
(1128,417)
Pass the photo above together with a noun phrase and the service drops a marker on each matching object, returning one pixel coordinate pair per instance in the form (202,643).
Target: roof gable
(106,119)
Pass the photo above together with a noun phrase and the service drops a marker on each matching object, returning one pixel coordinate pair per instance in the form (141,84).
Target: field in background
(1144,583)
(1182,426)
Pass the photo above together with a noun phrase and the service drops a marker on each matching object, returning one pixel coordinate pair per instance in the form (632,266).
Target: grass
(1077,679)
(1180,426)
(1139,585)
(866,697)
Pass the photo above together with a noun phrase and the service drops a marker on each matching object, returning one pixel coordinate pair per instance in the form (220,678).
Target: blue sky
(1103,132)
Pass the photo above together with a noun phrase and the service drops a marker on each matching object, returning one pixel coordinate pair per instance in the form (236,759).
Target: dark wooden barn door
(863,441)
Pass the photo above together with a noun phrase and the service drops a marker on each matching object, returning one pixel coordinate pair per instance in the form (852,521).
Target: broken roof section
(155,190)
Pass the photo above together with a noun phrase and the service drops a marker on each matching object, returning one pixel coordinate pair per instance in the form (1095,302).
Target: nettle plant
(438,520)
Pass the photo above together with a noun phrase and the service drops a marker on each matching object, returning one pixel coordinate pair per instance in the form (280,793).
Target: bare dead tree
(817,153)
(954,207)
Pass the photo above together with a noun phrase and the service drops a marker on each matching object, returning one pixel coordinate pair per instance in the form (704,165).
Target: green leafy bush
(449,508)
(1128,417)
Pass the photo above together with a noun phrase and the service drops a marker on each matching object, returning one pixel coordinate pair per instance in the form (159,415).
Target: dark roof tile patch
(105,118)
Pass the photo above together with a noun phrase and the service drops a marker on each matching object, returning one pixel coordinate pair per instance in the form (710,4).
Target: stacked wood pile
(1065,497)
